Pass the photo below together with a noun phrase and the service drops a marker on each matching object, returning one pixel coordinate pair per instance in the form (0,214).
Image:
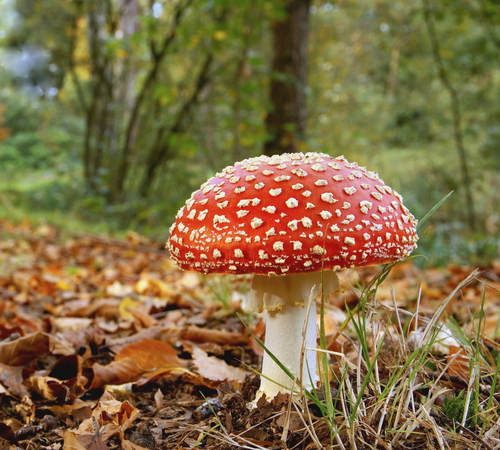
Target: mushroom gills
(290,307)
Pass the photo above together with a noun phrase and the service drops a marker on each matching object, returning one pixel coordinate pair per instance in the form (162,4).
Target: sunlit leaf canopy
(128,107)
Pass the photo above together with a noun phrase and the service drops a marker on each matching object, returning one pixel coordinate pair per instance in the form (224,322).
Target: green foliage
(454,409)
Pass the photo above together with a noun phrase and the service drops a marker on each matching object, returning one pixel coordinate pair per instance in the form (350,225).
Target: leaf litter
(104,344)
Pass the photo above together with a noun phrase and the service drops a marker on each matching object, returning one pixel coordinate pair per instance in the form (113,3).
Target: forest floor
(105,344)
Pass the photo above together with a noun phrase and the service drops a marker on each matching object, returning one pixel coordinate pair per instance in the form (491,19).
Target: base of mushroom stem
(289,332)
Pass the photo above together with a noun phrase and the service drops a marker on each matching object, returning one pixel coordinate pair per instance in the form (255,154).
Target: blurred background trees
(113,111)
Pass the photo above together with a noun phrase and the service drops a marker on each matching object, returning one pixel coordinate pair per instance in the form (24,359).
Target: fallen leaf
(216,369)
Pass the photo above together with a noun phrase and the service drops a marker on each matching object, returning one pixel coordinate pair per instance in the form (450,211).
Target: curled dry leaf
(28,348)
(63,383)
(213,368)
(146,360)
(110,416)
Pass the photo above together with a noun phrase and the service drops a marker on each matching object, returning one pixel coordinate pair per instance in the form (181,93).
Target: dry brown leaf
(73,441)
(216,369)
(197,334)
(153,358)
(25,349)
(117,372)
(12,379)
(111,416)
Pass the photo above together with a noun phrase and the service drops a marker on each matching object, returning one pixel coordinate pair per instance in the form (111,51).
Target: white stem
(285,340)
(290,302)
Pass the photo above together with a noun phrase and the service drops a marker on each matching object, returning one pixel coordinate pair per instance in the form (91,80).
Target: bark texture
(286,120)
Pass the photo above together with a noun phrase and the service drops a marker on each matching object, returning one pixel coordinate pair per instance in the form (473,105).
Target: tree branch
(157,57)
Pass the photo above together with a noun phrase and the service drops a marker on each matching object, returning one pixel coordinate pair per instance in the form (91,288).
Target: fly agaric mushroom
(292,220)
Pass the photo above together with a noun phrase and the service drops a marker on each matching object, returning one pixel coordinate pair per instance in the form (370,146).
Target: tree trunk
(286,120)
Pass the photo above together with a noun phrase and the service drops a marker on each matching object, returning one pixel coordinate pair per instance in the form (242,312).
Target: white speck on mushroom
(238,253)
(381,189)
(202,214)
(256,222)
(217,254)
(307,263)
(282,178)
(318,250)
(234,179)
(278,246)
(310,205)
(250,177)
(297,186)
(220,195)
(297,245)
(348,219)
(220,219)
(239,189)
(346,205)
(381,209)
(267,172)
(349,241)
(367,236)
(365,186)
(306,222)
(299,172)
(321,182)
(318,167)
(292,202)
(222,205)
(192,214)
(263,254)
(335,228)
(325,214)
(338,177)
(259,185)
(350,190)
(334,165)
(269,209)
(203,201)
(376,227)
(357,173)
(365,205)
(242,213)
(375,216)
(307,193)
(275,192)
(243,203)
(377,195)
(228,240)
(338,212)
(271,232)
(328,197)
(231,267)
(189,255)
(206,189)
(293,225)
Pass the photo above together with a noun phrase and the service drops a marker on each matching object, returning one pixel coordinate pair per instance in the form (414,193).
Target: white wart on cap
(291,213)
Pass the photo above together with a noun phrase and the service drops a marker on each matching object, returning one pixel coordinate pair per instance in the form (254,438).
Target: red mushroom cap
(291,213)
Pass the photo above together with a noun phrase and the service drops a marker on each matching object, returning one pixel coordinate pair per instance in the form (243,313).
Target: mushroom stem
(290,327)
(289,331)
